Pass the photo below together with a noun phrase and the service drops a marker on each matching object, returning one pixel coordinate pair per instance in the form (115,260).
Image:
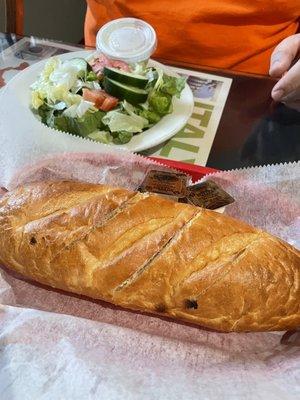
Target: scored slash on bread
(144,252)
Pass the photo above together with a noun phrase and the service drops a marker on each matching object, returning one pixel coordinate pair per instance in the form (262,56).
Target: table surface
(253,129)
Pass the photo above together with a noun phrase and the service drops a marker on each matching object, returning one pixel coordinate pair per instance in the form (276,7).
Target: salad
(105,100)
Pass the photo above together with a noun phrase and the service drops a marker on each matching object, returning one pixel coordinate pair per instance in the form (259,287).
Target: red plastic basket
(195,171)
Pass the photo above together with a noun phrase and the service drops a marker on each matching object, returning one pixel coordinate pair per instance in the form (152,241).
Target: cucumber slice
(82,66)
(128,78)
(124,92)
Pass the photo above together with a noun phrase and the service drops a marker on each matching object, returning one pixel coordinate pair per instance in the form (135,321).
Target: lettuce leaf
(160,97)
(100,136)
(64,75)
(91,76)
(117,121)
(133,111)
(152,76)
(107,138)
(172,85)
(49,67)
(58,82)
(169,84)
(36,100)
(80,84)
(44,113)
(80,109)
(151,116)
(125,119)
(159,80)
(47,93)
(160,103)
(90,122)
(122,137)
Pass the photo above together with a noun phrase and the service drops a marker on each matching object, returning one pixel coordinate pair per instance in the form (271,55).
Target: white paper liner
(115,168)
(51,356)
(267,197)
(118,354)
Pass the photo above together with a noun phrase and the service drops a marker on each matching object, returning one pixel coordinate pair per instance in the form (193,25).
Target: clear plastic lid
(127,39)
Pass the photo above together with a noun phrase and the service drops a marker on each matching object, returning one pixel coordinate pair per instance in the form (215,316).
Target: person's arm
(287,89)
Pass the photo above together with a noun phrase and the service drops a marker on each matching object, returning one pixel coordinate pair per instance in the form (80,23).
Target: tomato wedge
(102,100)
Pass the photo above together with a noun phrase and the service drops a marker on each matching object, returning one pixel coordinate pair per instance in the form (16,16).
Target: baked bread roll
(144,252)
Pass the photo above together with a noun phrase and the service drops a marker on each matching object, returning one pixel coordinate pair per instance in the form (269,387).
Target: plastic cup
(127,39)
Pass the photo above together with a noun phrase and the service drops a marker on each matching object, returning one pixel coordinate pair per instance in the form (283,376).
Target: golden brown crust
(146,253)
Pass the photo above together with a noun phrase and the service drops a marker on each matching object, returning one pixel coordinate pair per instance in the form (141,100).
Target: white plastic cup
(127,39)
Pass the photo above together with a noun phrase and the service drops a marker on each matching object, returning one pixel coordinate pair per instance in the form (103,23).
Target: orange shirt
(236,34)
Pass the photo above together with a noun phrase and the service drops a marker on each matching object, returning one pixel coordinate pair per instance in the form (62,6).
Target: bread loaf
(144,252)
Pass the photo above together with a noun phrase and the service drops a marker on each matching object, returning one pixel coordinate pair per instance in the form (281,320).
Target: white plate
(167,127)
